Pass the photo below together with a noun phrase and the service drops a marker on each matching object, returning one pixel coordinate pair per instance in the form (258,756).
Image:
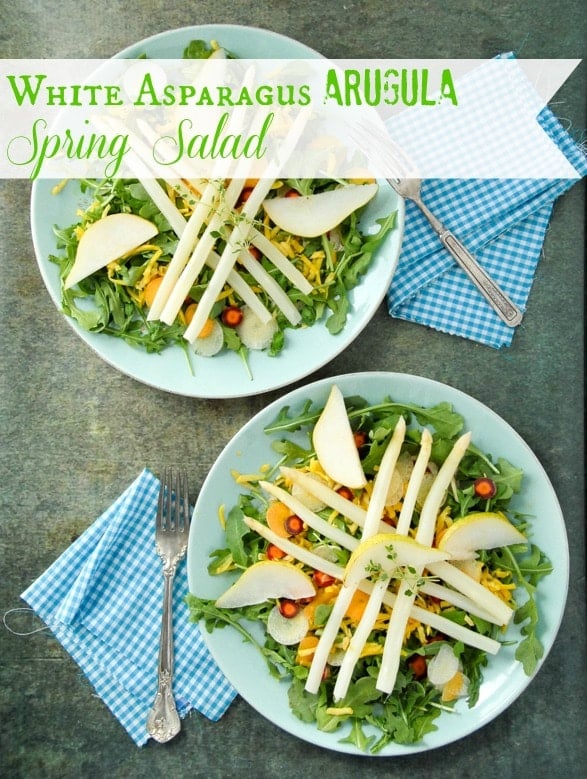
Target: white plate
(504,678)
(222,376)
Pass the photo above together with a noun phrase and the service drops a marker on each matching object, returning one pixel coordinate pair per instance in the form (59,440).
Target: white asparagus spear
(407,510)
(430,618)
(329,496)
(240,234)
(237,239)
(359,639)
(271,287)
(240,286)
(473,589)
(196,262)
(407,589)
(345,596)
(383,479)
(371,611)
(280,261)
(186,244)
(310,517)
(459,600)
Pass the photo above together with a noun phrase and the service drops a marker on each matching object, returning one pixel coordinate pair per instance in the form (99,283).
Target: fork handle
(503,306)
(163,722)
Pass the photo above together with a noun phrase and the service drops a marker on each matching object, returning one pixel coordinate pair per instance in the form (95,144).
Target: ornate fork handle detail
(163,722)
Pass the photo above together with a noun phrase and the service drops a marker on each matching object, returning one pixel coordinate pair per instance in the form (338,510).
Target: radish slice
(287,631)
(253,332)
(107,240)
(443,666)
(211,344)
(313,215)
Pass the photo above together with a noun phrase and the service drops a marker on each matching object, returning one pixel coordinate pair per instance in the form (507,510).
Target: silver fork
(171,538)
(407,184)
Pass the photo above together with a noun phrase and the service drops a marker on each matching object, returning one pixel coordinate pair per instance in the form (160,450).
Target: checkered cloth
(102,598)
(502,222)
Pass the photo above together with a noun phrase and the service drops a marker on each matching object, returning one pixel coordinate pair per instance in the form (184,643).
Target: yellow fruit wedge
(482,530)
(335,445)
(385,553)
(312,215)
(265,580)
(107,240)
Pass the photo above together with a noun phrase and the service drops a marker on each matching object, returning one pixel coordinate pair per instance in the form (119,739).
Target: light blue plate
(222,376)
(504,678)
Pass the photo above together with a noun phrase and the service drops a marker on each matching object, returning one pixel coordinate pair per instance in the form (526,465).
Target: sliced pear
(265,580)
(335,445)
(482,530)
(312,215)
(385,552)
(107,240)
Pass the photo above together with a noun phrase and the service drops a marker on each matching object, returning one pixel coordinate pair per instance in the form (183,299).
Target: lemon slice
(265,580)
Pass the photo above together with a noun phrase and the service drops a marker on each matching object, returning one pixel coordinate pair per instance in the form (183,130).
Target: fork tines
(173,511)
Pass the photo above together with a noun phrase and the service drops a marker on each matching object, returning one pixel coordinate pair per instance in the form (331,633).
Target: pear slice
(265,580)
(312,215)
(107,240)
(482,530)
(335,445)
(386,552)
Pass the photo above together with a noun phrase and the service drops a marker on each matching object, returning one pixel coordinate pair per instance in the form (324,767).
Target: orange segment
(306,650)
(357,606)
(208,325)
(453,688)
(151,289)
(276,514)
(325,595)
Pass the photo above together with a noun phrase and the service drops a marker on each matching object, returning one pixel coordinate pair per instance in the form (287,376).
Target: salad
(214,264)
(383,561)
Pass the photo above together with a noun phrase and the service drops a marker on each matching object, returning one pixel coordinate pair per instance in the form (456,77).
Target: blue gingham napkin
(503,222)
(102,599)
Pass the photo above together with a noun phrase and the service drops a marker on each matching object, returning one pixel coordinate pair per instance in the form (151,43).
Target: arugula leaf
(526,570)
(302,703)
(235,530)
(357,737)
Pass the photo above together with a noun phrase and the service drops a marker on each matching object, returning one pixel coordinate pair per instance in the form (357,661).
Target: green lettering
(447,87)
(332,90)
(147,89)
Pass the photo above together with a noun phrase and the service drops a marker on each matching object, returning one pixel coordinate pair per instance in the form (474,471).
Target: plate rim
(491,709)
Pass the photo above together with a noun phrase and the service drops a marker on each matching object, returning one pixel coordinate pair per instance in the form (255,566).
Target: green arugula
(527,567)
